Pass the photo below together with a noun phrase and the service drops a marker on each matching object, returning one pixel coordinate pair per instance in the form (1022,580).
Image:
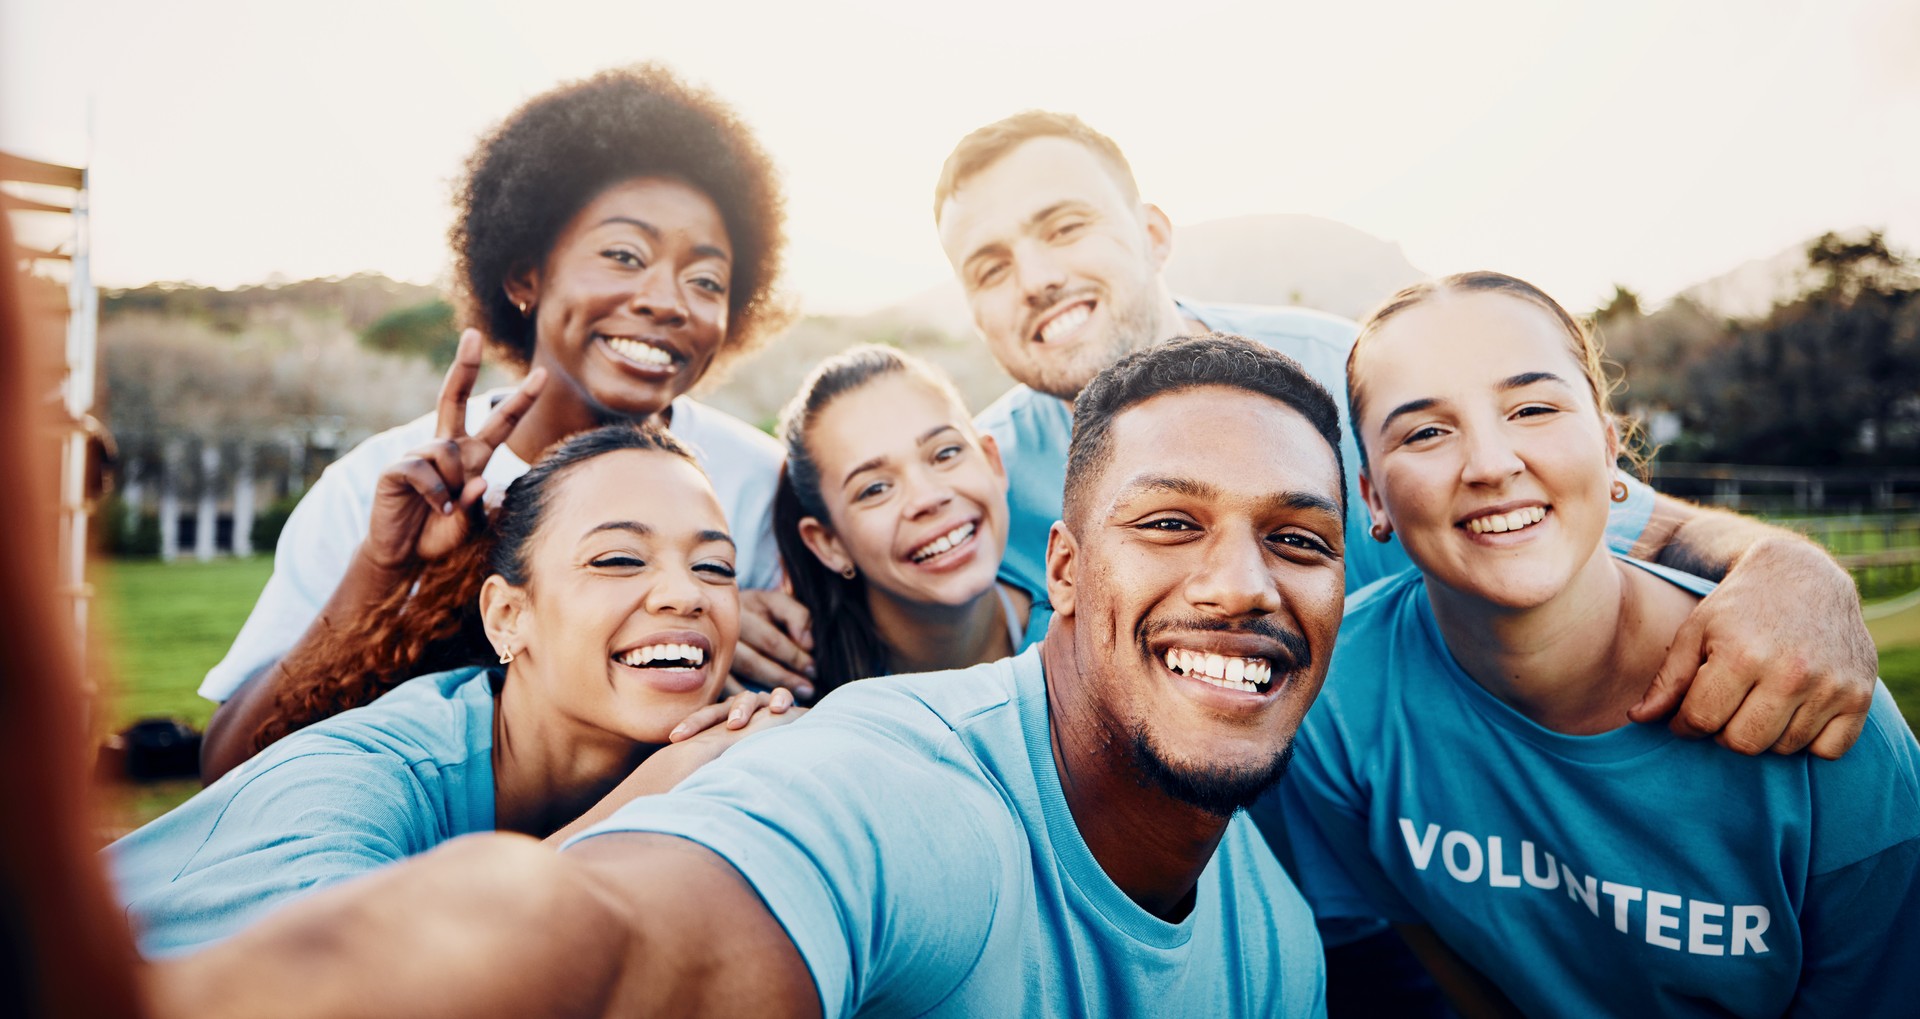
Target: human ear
(1376,506)
(991,448)
(1061,573)
(825,545)
(523,287)
(502,606)
(1159,235)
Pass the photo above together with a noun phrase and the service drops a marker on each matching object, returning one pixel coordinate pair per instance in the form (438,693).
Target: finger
(1757,725)
(770,640)
(444,456)
(780,700)
(424,479)
(1716,694)
(699,721)
(792,616)
(750,666)
(506,415)
(458,386)
(742,708)
(1676,673)
(472,492)
(1806,723)
(1838,736)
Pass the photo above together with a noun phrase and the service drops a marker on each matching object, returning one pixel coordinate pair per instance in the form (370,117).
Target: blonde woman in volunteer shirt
(618,237)
(1470,770)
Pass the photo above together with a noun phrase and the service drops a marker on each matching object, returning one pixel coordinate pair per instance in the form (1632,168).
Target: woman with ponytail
(531,662)
(892,519)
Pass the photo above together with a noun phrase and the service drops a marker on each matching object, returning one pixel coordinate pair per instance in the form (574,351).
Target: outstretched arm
(496,925)
(1778,657)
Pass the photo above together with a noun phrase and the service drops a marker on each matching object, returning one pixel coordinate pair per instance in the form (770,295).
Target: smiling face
(1203,580)
(916,499)
(631,304)
(630,615)
(1485,449)
(1059,265)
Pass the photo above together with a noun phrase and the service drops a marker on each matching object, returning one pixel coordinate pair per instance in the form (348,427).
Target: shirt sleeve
(873,855)
(318,542)
(233,855)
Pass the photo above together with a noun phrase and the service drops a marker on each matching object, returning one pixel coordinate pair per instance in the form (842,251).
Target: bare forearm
(1709,542)
(228,742)
(496,925)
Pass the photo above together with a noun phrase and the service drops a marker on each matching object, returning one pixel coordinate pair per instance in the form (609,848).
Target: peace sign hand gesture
(425,504)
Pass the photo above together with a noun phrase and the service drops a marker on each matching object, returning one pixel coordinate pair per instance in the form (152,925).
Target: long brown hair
(847,645)
(431,621)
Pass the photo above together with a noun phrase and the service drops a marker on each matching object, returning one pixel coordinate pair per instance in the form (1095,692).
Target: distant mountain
(1752,289)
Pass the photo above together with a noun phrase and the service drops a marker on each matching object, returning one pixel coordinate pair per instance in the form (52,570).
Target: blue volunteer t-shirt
(1625,873)
(911,836)
(1033,430)
(355,792)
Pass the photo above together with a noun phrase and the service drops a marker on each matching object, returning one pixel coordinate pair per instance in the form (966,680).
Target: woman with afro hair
(619,240)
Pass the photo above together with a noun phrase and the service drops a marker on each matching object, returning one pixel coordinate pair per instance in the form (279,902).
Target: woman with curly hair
(619,238)
(604,586)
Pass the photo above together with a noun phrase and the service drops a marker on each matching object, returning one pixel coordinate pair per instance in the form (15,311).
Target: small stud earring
(525,309)
(848,571)
(506,657)
(1620,492)
(1381,532)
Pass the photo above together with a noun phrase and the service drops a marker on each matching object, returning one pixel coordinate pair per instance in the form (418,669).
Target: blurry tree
(423,330)
(1829,377)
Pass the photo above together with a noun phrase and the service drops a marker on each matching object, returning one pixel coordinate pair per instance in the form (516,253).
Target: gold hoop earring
(1620,492)
(1381,532)
(848,571)
(506,657)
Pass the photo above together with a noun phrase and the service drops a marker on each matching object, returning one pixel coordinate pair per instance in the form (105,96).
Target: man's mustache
(1299,653)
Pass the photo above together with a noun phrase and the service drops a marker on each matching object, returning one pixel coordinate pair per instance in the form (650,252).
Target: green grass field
(160,627)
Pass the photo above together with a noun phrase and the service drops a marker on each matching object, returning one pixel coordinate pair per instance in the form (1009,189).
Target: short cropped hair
(563,148)
(1216,359)
(987,145)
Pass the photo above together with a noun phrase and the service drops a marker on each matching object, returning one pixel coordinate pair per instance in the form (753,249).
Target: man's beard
(1134,327)
(1219,791)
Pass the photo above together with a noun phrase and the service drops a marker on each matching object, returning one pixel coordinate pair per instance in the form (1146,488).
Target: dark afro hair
(558,152)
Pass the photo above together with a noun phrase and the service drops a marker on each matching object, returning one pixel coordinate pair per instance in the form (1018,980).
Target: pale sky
(1650,143)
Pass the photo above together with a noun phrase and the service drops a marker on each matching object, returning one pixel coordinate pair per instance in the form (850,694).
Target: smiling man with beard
(1054,834)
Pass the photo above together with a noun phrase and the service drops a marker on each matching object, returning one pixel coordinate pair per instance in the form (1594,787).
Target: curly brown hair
(430,621)
(563,148)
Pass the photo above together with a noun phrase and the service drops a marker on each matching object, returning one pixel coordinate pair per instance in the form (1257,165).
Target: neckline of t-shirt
(1070,850)
(1611,747)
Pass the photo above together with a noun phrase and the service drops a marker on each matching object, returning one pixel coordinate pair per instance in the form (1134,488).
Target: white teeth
(943,543)
(642,656)
(634,350)
(1064,323)
(1249,674)
(1497,523)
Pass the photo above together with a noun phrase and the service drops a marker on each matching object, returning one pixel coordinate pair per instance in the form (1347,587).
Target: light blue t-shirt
(1033,430)
(1629,873)
(363,789)
(911,836)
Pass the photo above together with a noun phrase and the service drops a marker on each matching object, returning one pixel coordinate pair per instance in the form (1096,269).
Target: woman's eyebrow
(1410,407)
(1529,378)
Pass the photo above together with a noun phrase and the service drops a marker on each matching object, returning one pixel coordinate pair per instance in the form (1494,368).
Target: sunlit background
(1323,154)
(1652,144)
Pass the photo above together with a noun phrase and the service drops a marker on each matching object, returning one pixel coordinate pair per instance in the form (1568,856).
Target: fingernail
(806,691)
(809,671)
(446,507)
(677,730)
